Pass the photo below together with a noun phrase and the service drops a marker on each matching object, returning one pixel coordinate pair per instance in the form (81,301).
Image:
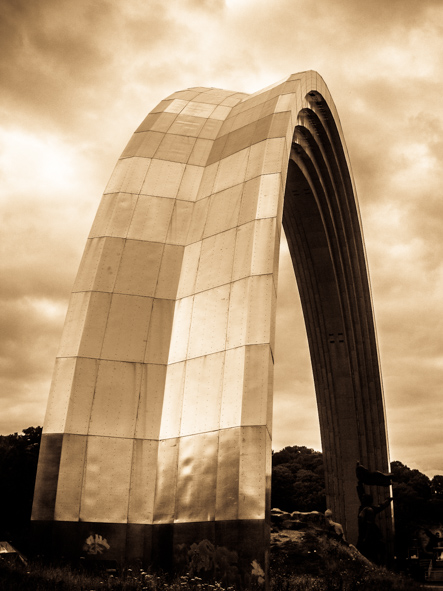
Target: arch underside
(158,427)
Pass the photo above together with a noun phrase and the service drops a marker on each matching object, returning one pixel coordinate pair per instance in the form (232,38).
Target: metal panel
(245,118)
(238,139)
(268,197)
(228,472)
(243,251)
(261,197)
(197,478)
(166,483)
(180,222)
(59,395)
(209,322)
(74,324)
(276,153)
(238,314)
(128,175)
(162,123)
(190,183)
(82,394)
(169,275)
(103,215)
(216,260)
(175,106)
(116,399)
(227,125)
(232,170)
(260,307)
(265,125)
(85,324)
(269,106)
(47,477)
(147,122)
(143,143)
(142,492)
(200,152)
(252,484)
(280,124)
(186,95)
(163,178)
(198,109)
(162,106)
(233,380)
(256,385)
(181,329)
(234,99)
(122,215)
(248,208)
(187,125)
(223,211)
(221,112)
(207,182)
(210,129)
(70,478)
(270,410)
(218,149)
(177,148)
(264,244)
(127,327)
(188,274)
(268,470)
(114,215)
(198,220)
(285,102)
(99,264)
(139,268)
(173,401)
(151,219)
(250,310)
(214,96)
(151,401)
(160,330)
(106,481)
(202,394)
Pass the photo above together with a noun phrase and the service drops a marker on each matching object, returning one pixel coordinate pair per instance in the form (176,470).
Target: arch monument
(157,437)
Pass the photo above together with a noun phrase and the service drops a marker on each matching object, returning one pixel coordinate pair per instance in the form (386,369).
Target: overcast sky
(77,78)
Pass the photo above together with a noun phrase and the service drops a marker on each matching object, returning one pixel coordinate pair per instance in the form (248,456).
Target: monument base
(231,552)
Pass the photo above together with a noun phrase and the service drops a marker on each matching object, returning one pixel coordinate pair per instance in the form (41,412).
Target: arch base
(228,551)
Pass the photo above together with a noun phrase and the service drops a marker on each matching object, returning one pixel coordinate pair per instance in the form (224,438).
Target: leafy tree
(437,486)
(298,482)
(18,466)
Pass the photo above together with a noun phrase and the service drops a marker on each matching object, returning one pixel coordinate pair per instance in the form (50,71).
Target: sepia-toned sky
(77,78)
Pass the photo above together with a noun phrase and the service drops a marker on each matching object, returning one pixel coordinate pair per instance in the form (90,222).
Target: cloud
(60,60)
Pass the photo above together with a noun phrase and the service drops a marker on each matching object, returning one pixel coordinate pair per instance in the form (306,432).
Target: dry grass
(311,563)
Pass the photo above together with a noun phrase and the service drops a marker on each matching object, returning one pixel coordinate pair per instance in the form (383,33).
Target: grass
(315,563)
(318,563)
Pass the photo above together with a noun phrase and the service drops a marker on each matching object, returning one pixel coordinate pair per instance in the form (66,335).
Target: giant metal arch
(157,437)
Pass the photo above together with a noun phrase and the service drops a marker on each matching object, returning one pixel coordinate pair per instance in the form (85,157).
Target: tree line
(298,484)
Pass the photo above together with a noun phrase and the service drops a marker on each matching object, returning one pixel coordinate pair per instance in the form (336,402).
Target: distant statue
(336,529)
(370,540)
(433,545)
(372,478)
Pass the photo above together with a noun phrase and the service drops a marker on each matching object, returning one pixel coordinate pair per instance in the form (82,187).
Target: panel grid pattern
(166,358)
